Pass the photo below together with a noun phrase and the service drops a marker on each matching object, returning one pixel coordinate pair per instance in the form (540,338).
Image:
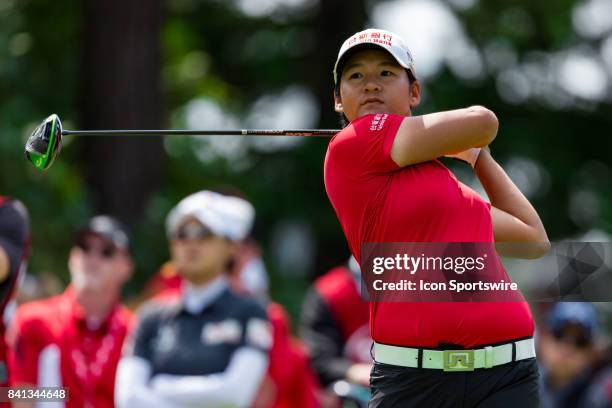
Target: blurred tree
(121,89)
(559,130)
(38,62)
(111,63)
(335,21)
(214,50)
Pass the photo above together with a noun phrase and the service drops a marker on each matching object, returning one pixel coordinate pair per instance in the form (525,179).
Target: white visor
(388,41)
(225,216)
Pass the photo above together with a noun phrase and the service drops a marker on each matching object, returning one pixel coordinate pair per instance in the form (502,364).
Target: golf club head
(45,143)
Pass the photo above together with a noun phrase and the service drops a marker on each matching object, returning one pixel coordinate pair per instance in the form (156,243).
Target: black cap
(106,227)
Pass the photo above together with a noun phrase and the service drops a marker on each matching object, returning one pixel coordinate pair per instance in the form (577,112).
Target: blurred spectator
(74,340)
(334,326)
(166,282)
(290,381)
(575,371)
(14,245)
(203,345)
(42,285)
(248,274)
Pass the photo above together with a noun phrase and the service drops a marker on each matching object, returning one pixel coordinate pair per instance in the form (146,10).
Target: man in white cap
(209,347)
(385,183)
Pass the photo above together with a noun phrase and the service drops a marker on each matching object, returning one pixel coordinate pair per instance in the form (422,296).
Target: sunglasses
(577,340)
(192,231)
(106,251)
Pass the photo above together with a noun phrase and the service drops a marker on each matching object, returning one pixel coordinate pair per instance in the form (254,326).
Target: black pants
(510,385)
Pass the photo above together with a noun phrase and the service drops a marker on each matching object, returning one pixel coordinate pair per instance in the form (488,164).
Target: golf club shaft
(238,132)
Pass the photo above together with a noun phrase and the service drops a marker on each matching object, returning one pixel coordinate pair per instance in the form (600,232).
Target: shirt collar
(197,298)
(78,313)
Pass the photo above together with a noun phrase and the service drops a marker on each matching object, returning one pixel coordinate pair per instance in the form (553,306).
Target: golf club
(45,142)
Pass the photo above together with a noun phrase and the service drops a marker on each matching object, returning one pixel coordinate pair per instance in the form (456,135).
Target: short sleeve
(364,147)
(26,338)
(257,328)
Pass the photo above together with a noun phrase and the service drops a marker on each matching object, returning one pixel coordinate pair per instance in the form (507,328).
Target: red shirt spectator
(289,370)
(334,326)
(166,278)
(75,340)
(339,289)
(54,346)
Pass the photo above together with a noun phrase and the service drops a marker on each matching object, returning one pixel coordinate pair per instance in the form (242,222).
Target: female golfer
(209,347)
(385,184)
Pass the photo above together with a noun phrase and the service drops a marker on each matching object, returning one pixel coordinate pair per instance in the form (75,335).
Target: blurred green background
(544,67)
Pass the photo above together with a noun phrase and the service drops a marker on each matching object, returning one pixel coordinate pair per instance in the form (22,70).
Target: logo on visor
(373,37)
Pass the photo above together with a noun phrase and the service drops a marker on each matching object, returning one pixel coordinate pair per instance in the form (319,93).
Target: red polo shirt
(378,201)
(340,293)
(88,358)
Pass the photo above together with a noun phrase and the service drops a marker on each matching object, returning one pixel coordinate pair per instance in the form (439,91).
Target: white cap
(225,216)
(388,41)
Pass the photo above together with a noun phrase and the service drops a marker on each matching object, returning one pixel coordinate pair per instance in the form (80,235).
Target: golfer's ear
(338,103)
(415,94)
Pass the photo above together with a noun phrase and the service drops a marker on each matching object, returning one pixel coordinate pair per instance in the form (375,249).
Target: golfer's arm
(514,218)
(424,138)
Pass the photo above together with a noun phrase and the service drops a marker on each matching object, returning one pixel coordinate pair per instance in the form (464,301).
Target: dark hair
(343,119)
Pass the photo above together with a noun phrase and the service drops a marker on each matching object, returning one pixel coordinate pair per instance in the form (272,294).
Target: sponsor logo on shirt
(165,339)
(259,333)
(378,121)
(226,331)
